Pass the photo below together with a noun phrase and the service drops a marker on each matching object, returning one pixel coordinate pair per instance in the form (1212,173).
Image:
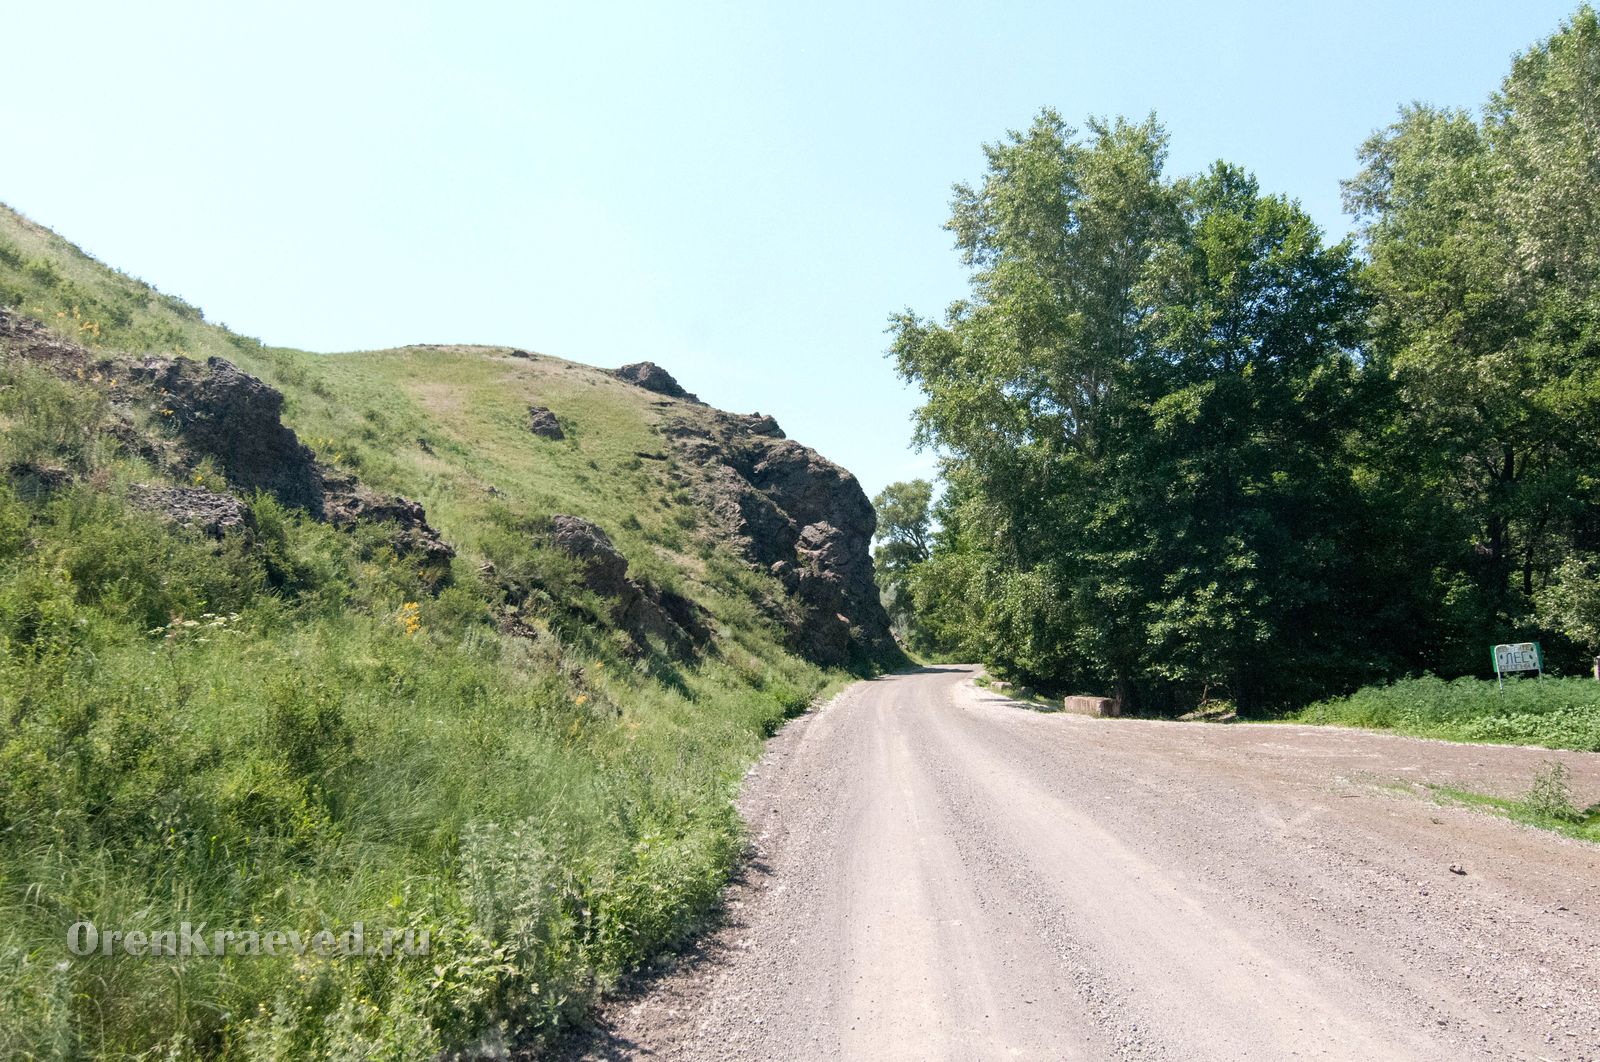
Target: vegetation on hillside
(1194,451)
(289,729)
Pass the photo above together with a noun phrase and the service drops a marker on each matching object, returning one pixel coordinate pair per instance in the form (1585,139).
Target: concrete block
(1103,707)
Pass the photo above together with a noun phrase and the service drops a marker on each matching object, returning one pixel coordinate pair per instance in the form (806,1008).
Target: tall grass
(187,743)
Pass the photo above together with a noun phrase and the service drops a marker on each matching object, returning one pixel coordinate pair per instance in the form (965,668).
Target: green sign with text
(1518,656)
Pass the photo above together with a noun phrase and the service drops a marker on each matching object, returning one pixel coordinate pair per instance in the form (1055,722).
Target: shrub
(1551,793)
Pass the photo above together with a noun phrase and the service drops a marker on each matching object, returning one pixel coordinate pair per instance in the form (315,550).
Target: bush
(1551,793)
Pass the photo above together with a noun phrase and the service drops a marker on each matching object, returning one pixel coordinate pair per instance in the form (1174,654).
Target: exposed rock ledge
(799,516)
(215,410)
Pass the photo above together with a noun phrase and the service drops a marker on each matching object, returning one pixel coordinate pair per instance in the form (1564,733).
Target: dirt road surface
(940,873)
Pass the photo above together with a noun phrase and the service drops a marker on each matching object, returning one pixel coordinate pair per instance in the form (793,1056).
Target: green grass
(1557,713)
(249,735)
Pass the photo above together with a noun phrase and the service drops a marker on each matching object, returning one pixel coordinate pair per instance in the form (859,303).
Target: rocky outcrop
(209,512)
(762,424)
(214,410)
(231,416)
(544,424)
(652,377)
(647,613)
(798,516)
(346,502)
(35,482)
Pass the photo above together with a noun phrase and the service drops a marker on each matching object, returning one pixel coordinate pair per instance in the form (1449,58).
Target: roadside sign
(1517,656)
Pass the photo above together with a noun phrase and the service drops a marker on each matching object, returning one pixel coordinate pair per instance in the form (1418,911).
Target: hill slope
(463,639)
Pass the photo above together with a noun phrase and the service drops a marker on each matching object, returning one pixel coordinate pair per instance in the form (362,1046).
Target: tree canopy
(1192,449)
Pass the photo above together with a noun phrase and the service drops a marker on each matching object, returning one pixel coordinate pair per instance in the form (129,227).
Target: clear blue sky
(742,192)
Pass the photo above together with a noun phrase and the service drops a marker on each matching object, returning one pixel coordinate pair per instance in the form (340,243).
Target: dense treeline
(1191,449)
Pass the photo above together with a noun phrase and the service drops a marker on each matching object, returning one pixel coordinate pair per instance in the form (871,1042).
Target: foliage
(1485,243)
(904,540)
(1570,601)
(1551,793)
(1149,464)
(1555,713)
(1191,449)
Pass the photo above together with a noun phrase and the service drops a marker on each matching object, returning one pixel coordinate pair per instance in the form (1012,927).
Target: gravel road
(939,873)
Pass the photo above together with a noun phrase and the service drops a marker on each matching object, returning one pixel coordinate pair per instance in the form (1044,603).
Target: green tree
(1021,378)
(1570,603)
(903,541)
(905,519)
(1484,246)
(1235,497)
(1148,407)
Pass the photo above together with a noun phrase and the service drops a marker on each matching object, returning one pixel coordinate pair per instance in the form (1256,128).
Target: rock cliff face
(802,518)
(236,419)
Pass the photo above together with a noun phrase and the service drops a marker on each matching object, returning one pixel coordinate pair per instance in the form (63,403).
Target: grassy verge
(1554,713)
(1547,805)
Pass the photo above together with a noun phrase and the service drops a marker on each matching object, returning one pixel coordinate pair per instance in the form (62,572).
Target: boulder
(544,424)
(1103,707)
(652,377)
(605,568)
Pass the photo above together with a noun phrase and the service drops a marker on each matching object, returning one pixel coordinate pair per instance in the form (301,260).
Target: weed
(1551,793)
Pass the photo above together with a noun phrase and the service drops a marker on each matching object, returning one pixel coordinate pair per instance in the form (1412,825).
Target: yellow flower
(581,699)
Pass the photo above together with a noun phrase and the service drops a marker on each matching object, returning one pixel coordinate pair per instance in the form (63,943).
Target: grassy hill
(296,726)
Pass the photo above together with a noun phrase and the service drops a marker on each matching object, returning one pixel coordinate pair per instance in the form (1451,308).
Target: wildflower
(409,618)
(581,699)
